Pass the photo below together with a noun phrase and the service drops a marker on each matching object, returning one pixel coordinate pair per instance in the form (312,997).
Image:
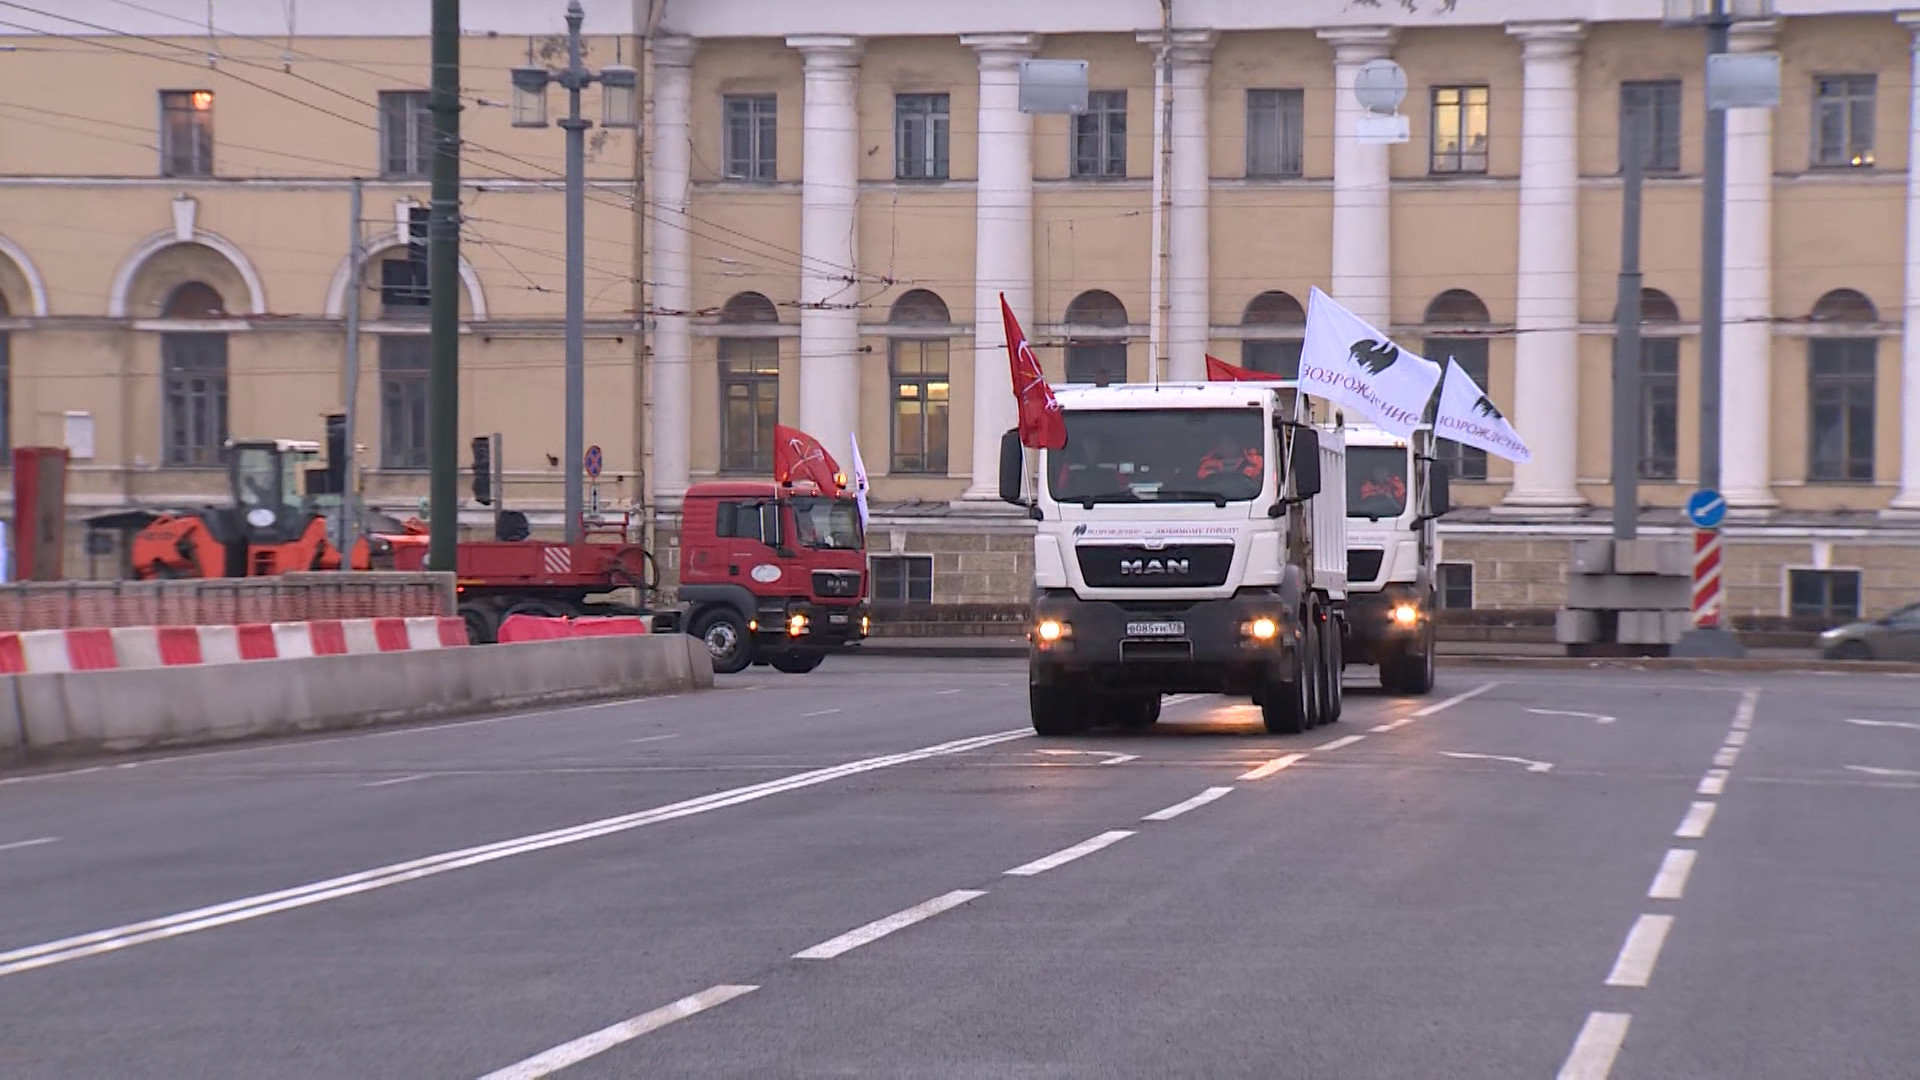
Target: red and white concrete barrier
(128,647)
(1706,578)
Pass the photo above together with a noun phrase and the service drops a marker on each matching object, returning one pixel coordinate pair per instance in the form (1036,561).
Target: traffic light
(483,470)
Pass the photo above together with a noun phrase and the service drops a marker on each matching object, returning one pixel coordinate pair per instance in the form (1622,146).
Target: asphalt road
(875,870)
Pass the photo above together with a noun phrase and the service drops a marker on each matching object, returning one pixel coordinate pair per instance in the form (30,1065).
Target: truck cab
(1395,493)
(772,574)
(1190,539)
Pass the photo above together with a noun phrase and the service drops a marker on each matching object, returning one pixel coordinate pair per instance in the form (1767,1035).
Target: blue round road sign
(1706,508)
(593,461)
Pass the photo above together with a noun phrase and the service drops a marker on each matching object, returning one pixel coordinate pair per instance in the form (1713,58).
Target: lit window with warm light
(186,133)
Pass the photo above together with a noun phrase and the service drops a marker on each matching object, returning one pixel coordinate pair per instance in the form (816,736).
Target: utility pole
(1713,250)
(1163,226)
(443,289)
(1626,338)
(349,471)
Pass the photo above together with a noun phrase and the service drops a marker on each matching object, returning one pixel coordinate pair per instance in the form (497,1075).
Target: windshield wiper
(1191,495)
(1087,501)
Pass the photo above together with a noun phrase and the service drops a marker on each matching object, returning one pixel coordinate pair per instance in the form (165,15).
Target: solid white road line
(1737,738)
(1743,715)
(1180,699)
(1908,724)
(18,844)
(822,712)
(1194,803)
(1436,707)
(1067,855)
(1726,756)
(579,1050)
(1342,741)
(1121,759)
(1694,825)
(1269,768)
(655,738)
(880,928)
(1598,1044)
(1671,882)
(253,907)
(1634,965)
(1872,770)
(397,780)
(1713,783)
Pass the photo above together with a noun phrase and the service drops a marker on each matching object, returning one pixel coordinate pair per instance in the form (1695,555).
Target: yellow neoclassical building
(830,197)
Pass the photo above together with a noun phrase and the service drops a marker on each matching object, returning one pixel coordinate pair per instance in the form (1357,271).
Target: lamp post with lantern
(619,100)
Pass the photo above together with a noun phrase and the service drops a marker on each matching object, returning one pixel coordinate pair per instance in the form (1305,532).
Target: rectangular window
(921,130)
(1654,108)
(186,133)
(1459,135)
(193,399)
(1100,137)
(406,135)
(749,403)
(1840,399)
(1275,132)
(1456,586)
(1828,597)
(1463,462)
(752,133)
(921,404)
(1659,408)
(1843,121)
(1280,358)
(900,579)
(404,360)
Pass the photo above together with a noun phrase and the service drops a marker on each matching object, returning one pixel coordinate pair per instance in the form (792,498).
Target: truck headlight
(1406,615)
(1263,629)
(796,624)
(1051,630)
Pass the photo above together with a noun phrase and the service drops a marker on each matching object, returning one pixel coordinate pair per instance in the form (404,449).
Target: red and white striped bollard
(1706,578)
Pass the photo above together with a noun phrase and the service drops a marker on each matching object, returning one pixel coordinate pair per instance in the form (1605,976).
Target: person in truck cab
(1229,459)
(1384,484)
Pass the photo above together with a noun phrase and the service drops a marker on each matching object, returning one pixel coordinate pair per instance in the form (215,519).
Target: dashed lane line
(1737,738)
(1067,855)
(37,842)
(1634,966)
(880,928)
(1694,825)
(1726,756)
(1670,883)
(1436,707)
(1596,1046)
(1342,741)
(1714,783)
(407,779)
(567,1055)
(1261,772)
(1194,803)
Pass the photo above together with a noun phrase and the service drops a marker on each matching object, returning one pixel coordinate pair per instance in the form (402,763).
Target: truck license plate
(1156,629)
(837,620)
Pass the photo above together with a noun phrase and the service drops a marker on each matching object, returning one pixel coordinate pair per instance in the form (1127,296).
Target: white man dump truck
(1190,538)
(1395,492)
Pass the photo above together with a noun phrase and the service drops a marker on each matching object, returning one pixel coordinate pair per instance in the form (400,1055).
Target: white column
(1746,335)
(1546,405)
(1362,234)
(829,199)
(1003,244)
(669,368)
(1190,262)
(1907,501)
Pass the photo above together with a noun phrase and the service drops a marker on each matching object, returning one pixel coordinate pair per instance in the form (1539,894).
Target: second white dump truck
(1395,492)
(1191,538)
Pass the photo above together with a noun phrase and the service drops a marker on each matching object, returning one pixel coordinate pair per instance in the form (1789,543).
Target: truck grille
(840,583)
(1176,566)
(1363,564)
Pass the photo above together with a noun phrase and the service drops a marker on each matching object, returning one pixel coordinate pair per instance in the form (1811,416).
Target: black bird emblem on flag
(1375,356)
(1485,407)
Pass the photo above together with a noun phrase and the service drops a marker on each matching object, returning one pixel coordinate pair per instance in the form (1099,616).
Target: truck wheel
(1135,713)
(481,627)
(796,663)
(727,641)
(1286,705)
(1336,691)
(1055,711)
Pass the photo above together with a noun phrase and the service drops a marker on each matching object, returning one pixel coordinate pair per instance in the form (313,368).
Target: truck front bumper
(804,627)
(1382,623)
(1209,646)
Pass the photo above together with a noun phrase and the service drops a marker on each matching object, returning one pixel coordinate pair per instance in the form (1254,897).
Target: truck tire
(482,625)
(796,663)
(727,642)
(1135,713)
(1056,712)
(1410,671)
(1285,704)
(1336,691)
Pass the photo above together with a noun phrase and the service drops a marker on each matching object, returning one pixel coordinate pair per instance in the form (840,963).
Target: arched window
(193,367)
(1841,391)
(749,383)
(1272,329)
(1096,339)
(193,300)
(1658,307)
(1468,345)
(919,359)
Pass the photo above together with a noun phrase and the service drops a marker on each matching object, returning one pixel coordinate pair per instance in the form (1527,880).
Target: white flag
(1468,416)
(859,481)
(1346,360)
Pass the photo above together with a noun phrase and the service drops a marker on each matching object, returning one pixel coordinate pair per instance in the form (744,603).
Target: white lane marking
(1596,1046)
(253,907)
(1726,756)
(1598,718)
(1111,757)
(1180,699)
(1694,825)
(1342,741)
(1871,770)
(1671,882)
(1634,965)
(579,1050)
(1532,765)
(1381,729)
(1737,738)
(18,844)
(397,780)
(1743,716)
(1121,759)
(1436,707)
(1263,771)
(1713,783)
(822,712)
(1908,724)
(1194,803)
(880,928)
(655,738)
(1067,855)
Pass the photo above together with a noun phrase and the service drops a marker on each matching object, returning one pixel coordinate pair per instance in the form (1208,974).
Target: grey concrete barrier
(181,706)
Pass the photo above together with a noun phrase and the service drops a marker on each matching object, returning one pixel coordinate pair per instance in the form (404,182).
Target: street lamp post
(619,109)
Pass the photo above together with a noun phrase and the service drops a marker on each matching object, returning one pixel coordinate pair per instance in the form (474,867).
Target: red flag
(1042,427)
(798,456)
(1221,371)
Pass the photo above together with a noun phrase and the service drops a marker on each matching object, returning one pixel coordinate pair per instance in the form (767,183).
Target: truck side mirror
(1439,499)
(1013,468)
(1305,463)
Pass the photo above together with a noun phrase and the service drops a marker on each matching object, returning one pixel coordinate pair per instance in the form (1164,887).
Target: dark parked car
(1891,637)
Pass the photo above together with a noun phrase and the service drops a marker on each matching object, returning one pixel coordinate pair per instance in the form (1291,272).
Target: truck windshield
(1159,455)
(826,523)
(1376,481)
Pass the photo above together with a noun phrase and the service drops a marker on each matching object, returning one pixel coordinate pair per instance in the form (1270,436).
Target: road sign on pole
(1706,508)
(592,462)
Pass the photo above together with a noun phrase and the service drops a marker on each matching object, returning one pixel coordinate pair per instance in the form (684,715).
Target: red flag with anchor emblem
(798,456)
(1221,371)
(1042,427)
